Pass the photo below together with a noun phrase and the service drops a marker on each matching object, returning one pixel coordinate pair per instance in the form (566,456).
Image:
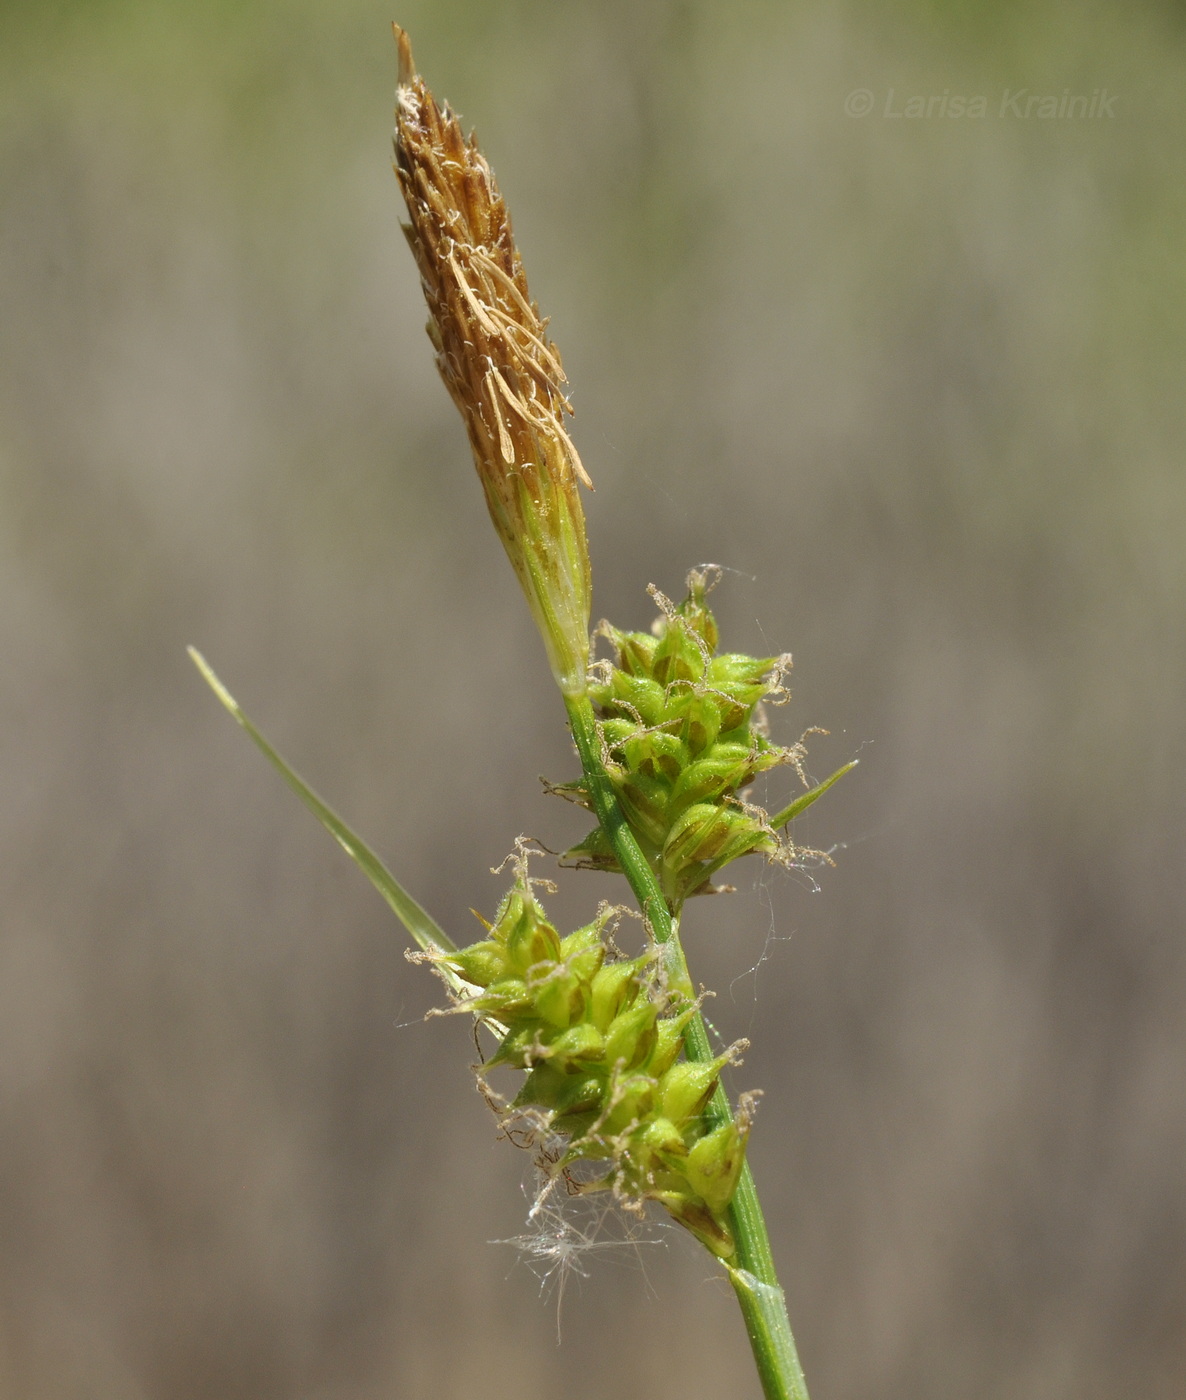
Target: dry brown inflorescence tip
(502,371)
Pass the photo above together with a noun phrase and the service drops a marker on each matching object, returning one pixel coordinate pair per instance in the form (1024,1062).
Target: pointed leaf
(418,922)
(804,800)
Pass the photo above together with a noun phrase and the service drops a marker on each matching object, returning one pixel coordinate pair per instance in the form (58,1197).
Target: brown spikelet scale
(502,371)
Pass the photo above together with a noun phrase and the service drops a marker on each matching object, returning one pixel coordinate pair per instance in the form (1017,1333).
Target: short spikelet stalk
(502,371)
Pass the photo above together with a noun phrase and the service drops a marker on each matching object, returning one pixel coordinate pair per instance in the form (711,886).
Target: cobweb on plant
(564,1230)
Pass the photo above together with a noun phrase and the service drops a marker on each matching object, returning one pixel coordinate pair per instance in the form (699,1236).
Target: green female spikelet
(683,735)
(606,1096)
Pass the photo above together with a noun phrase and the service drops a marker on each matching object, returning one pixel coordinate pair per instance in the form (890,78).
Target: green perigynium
(607,1101)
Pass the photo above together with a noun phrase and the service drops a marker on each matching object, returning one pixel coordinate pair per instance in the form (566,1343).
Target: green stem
(751,1272)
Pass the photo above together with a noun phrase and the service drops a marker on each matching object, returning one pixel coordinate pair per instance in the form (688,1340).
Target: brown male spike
(501,370)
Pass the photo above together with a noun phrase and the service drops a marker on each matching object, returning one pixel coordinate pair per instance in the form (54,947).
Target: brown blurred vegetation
(918,384)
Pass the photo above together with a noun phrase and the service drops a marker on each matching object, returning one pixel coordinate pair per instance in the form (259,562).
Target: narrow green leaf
(418,922)
(804,800)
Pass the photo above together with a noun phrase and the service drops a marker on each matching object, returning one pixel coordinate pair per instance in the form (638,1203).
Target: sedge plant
(617,1086)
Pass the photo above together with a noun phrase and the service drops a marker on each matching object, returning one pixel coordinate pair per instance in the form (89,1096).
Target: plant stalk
(752,1273)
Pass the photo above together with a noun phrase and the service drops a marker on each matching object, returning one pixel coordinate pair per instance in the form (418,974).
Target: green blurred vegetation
(918,383)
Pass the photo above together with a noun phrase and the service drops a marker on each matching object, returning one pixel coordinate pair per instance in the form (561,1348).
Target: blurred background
(916,382)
